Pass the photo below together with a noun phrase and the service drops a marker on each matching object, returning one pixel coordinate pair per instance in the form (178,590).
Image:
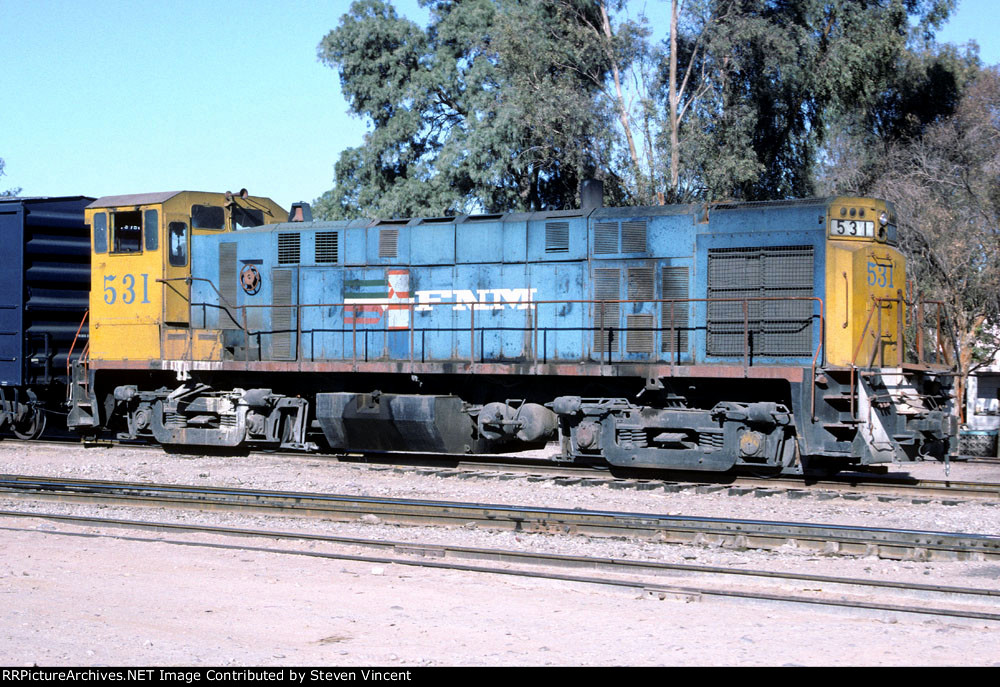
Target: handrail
(600,324)
(69,356)
(226,304)
(901,354)
(879,351)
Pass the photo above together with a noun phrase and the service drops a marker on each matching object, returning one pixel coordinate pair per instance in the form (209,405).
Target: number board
(852,227)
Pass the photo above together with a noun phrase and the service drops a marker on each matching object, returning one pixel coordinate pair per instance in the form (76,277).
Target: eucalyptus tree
(492,106)
(781,72)
(504,104)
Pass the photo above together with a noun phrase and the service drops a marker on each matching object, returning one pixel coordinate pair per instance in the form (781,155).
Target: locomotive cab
(141,278)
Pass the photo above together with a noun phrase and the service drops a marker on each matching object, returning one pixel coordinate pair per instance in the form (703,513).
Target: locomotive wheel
(31,427)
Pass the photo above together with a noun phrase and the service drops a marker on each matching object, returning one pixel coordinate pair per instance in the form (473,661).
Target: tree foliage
(503,104)
(492,106)
(928,84)
(788,69)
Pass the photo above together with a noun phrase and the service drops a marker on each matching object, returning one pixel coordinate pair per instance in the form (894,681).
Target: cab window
(151,227)
(244,218)
(127,232)
(178,243)
(208,217)
(100,232)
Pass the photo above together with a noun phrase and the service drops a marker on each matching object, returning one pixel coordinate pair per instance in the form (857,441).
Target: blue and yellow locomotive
(766,335)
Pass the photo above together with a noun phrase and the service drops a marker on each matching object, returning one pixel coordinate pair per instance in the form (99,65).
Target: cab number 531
(125,290)
(879,274)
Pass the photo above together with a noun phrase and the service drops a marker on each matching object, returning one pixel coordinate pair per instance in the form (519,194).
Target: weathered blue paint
(496,272)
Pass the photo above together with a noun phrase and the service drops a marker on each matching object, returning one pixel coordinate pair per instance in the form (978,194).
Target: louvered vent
(388,243)
(557,237)
(228,284)
(640,284)
(289,249)
(640,336)
(634,237)
(607,286)
(326,247)
(605,238)
(281,317)
(674,316)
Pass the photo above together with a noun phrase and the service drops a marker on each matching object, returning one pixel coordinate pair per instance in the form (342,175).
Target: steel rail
(910,487)
(736,533)
(500,466)
(418,554)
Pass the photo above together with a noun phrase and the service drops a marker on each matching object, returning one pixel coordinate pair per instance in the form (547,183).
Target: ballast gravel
(135,598)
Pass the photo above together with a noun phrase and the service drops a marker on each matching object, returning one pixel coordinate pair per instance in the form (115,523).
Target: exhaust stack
(591,194)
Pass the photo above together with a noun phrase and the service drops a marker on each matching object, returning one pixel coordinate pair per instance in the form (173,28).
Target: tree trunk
(674,103)
(623,115)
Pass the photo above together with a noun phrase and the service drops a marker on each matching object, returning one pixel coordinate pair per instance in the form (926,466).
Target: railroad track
(849,486)
(687,582)
(725,532)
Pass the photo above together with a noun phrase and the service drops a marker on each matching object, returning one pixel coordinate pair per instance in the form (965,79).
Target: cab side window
(151,228)
(100,232)
(127,232)
(177,234)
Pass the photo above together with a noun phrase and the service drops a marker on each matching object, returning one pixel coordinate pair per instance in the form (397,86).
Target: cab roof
(133,199)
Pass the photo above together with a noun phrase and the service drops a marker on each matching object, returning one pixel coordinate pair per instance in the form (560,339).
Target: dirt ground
(129,600)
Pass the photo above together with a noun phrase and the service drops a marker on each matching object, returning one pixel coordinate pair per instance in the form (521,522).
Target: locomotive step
(840,426)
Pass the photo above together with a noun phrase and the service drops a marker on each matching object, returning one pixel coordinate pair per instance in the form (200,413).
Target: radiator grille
(326,247)
(640,336)
(781,327)
(288,249)
(557,237)
(640,284)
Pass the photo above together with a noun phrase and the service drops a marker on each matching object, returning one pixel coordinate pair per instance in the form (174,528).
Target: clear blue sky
(130,96)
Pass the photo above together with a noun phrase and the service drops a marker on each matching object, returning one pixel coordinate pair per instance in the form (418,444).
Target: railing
(538,333)
(878,350)
(84,353)
(606,333)
(69,356)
